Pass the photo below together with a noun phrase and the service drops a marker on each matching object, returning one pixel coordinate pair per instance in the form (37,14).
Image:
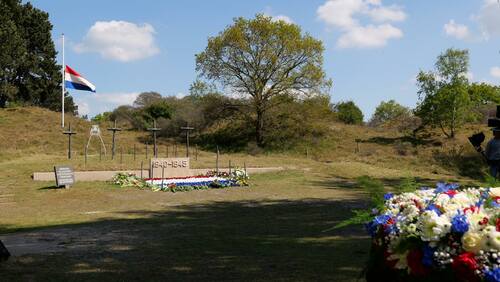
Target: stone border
(106,175)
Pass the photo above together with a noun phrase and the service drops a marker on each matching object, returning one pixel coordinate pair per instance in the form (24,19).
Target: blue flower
(442,187)
(373,225)
(381,219)
(433,207)
(484,196)
(428,255)
(391,229)
(459,224)
(495,204)
(492,275)
(388,196)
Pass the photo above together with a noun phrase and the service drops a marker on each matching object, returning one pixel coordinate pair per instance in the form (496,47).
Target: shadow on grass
(335,182)
(219,241)
(402,139)
(468,165)
(52,187)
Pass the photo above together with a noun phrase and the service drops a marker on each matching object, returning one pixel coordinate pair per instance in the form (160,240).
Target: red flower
(414,259)
(484,221)
(464,266)
(472,209)
(417,204)
(451,193)
(497,223)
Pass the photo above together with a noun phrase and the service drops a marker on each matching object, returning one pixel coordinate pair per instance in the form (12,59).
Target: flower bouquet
(446,233)
(210,180)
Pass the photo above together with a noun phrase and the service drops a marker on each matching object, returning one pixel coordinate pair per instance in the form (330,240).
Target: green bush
(348,112)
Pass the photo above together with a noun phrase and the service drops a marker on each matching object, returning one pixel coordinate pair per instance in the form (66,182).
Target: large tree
(28,70)
(146,99)
(444,100)
(261,59)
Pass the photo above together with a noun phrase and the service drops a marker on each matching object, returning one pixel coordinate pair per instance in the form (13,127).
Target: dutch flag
(74,80)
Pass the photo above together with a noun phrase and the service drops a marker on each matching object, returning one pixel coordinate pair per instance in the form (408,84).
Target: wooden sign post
(154,129)
(114,129)
(187,128)
(69,133)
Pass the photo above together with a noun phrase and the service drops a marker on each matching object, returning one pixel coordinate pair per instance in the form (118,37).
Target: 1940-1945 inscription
(167,167)
(170,163)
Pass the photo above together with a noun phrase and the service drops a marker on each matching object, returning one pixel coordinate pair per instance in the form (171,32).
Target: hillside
(35,131)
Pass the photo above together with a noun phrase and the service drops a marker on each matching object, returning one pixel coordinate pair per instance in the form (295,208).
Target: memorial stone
(64,176)
(170,166)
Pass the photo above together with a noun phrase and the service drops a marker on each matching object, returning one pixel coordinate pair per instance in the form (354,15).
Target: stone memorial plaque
(64,176)
(171,167)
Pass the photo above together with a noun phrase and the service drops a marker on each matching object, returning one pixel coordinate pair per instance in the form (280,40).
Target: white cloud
(268,11)
(339,13)
(180,95)
(368,36)
(117,98)
(384,14)
(102,102)
(469,75)
(487,81)
(83,108)
(119,40)
(495,72)
(346,16)
(489,19)
(282,18)
(459,31)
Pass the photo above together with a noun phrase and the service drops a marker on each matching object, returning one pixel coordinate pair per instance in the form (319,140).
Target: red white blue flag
(74,80)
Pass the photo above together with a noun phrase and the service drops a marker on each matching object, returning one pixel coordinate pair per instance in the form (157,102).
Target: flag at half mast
(74,80)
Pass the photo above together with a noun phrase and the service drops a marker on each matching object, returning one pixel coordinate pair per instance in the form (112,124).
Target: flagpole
(63,87)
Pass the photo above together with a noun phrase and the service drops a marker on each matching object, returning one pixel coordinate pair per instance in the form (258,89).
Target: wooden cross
(114,129)
(187,128)
(69,133)
(154,129)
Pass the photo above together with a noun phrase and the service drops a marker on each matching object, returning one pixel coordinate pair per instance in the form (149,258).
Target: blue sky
(373,48)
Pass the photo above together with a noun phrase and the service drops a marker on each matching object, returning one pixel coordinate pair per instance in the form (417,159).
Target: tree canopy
(443,98)
(261,59)
(388,111)
(29,74)
(446,97)
(348,113)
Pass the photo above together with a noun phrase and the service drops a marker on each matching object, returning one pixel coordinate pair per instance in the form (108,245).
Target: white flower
(411,228)
(474,218)
(492,238)
(432,226)
(472,241)
(495,192)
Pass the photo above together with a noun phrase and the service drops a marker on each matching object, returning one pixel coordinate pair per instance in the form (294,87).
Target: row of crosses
(95,131)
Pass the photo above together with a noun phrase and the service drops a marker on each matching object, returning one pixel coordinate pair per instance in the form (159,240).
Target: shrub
(348,112)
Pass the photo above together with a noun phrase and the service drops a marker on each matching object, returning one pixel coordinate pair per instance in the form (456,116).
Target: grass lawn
(277,229)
